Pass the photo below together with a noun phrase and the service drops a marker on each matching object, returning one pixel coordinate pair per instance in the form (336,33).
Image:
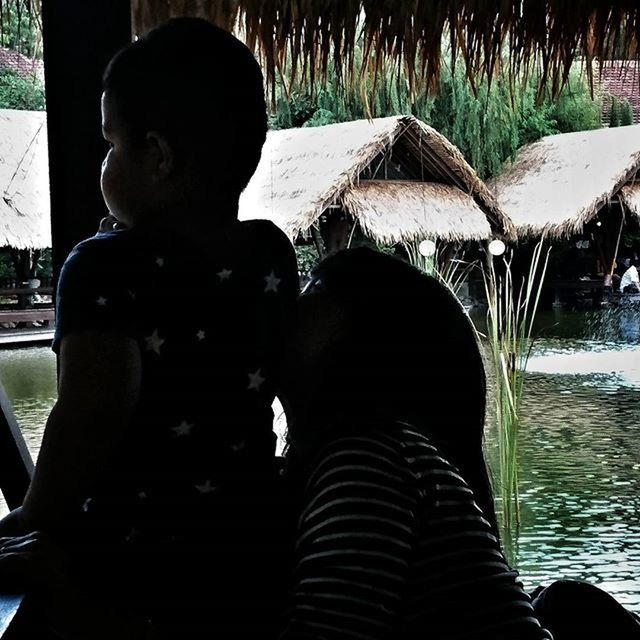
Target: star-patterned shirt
(210,325)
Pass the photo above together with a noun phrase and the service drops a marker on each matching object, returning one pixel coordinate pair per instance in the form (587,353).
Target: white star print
(256,380)
(101,301)
(133,533)
(183,429)
(225,274)
(154,342)
(160,262)
(205,488)
(272,283)
(86,505)
(239,446)
(201,335)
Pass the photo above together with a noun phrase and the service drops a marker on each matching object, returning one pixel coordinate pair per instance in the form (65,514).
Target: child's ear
(161,154)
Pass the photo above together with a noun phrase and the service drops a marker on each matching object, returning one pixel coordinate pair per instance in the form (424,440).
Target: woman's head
(378,341)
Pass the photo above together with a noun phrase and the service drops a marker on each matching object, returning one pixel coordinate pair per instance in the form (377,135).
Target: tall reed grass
(452,271)
(511,313)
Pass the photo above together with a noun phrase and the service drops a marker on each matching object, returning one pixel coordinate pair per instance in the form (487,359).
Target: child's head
(185,102)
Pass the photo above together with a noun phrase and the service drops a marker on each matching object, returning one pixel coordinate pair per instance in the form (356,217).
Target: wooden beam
(79,38)
(16,466)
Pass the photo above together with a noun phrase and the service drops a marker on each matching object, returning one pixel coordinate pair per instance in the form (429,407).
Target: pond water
(580,447)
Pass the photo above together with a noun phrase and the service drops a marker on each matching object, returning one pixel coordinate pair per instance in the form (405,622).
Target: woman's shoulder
(379,450)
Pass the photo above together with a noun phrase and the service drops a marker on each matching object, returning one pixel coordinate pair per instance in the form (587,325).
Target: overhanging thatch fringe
(313,35)
(630,196)
(555,186)
(402,211)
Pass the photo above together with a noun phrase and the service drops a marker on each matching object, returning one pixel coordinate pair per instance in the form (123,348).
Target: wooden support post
(617,247)
(317,239)
(79,37)
(16,466)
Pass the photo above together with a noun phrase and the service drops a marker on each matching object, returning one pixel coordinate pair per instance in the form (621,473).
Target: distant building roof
(619,78)
(21,64)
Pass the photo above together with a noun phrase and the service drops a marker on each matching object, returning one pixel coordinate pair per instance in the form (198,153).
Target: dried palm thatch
(305,171)
(312,35)
(555,186)
(403,211)
(630,197)
(24,180)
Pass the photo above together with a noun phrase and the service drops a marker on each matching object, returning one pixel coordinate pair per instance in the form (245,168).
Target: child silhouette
(170,322)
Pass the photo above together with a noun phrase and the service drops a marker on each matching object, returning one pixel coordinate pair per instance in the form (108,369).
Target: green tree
(18,92)
(626,113)
(614,117)
(20,30)
(7,272)
(575,109)
(487,125)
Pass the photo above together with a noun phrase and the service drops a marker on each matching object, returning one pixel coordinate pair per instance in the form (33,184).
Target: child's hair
(200,87)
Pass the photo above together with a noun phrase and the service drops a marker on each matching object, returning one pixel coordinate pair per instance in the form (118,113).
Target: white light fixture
(497,247)
(427,248)
(598,224)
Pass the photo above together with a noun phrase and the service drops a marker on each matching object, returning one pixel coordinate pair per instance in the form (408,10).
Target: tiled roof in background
(622,80)
(21,64)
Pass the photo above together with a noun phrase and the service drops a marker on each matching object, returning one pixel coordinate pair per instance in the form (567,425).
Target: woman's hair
(201,87)
(406,351)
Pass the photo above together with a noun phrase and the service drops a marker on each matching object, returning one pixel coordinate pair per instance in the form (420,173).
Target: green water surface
(580,447)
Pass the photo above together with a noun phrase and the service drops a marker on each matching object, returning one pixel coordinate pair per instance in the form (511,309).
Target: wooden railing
(25,309)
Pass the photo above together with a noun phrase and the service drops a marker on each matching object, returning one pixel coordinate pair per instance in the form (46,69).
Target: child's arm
(98,390)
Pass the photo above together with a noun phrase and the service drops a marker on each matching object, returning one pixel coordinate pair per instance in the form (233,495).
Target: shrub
(18,92)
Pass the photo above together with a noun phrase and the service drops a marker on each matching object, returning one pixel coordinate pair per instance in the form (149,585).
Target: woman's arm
(99,383)
(354,542)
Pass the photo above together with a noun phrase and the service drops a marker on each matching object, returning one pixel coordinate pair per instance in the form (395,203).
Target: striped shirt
(391,544)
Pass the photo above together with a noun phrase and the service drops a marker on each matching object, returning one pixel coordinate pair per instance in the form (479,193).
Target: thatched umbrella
(305,172)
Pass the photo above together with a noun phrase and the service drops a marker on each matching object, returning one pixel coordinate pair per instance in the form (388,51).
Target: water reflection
(580,451)
(579,483)
(580,454)
(29,378)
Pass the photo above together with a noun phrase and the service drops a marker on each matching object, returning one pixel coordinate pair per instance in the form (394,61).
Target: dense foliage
(488,125)
(21,33)
(18,92)
(621,114)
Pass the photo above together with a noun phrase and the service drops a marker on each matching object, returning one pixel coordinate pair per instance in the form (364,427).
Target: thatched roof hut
(557,185)
(399,178)
(24,180)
